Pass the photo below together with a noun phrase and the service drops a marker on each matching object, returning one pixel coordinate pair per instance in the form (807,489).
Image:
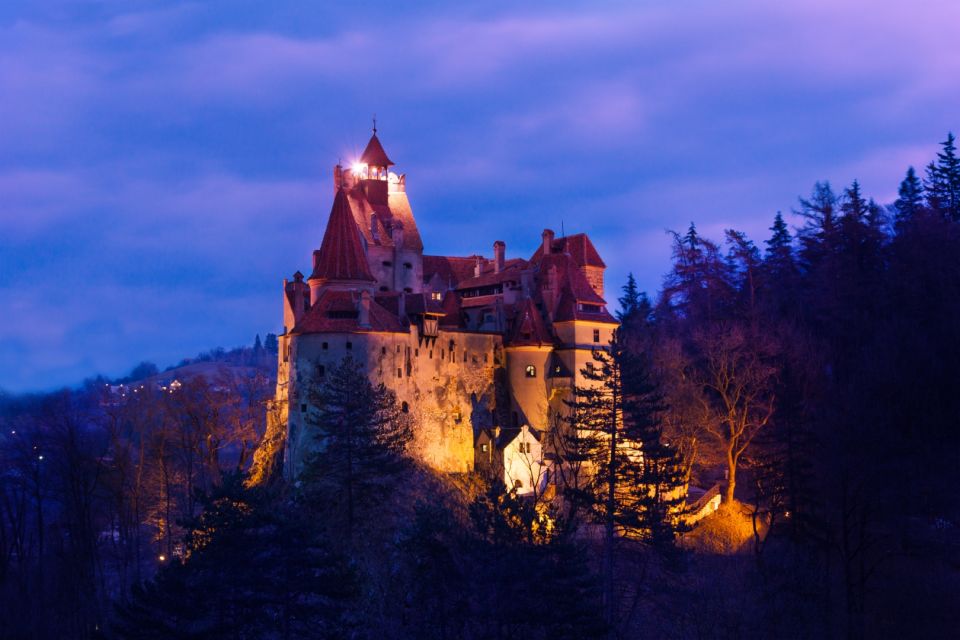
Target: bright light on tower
(358,168)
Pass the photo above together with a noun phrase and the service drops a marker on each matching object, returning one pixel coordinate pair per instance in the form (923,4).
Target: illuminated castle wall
(482,351)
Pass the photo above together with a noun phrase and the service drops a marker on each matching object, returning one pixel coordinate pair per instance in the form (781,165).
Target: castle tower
(341,261)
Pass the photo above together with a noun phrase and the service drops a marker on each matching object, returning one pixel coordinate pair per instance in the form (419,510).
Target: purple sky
(163,165)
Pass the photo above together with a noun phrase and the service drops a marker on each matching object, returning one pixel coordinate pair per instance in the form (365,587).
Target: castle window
(387,263)
(464,356)
(303,408)
(518,484)
(596,335)
(441,354)
(416,353)
(435,295)
(399,372)
(349,345)
(486,358)
(404,407)
(286,352)
(484,447)
(398,348)
(408,265)
(384,289)
(431,354)
(321,371)
(383,351)
(325,346)
(407,290)
(531,371)
(524,447)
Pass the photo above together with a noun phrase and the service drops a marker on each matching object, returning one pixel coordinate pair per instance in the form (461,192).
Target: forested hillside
(812,374)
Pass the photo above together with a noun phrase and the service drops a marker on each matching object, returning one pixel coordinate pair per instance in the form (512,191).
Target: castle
(482,351)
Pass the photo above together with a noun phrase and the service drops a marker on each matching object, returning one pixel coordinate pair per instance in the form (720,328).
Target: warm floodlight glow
(358,168)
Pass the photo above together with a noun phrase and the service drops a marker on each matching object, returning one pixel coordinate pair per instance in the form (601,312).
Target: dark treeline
(812,377)
(96,482)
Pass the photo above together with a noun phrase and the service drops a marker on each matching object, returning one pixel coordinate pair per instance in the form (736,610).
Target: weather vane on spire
(374,124)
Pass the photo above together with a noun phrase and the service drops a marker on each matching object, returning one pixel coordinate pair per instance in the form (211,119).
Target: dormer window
(387,263)
(531,371)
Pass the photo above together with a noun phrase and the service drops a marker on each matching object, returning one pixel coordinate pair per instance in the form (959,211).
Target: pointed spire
(528,327)
(341,255)
(374,155)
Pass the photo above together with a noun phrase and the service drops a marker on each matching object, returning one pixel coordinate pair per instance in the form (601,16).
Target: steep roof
(374,153)
(337,312)
(578,246)
(450,269)
(528,327)
(568,308)
(569,277)
(341,255)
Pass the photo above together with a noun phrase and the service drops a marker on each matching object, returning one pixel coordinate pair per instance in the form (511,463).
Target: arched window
(531,371)
(404,407)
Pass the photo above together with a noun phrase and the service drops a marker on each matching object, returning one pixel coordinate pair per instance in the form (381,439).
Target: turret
(341,260)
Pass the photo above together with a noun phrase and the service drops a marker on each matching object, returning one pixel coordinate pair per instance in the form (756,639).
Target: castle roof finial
(374,124)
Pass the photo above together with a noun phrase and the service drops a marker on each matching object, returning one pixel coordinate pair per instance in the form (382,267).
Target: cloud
(163,167)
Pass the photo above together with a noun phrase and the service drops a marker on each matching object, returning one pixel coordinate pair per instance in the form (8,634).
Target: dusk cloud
(163,167)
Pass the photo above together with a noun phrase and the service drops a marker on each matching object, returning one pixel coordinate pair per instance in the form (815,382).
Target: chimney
(477,268)
(364,311)
(499,249)
(547,241)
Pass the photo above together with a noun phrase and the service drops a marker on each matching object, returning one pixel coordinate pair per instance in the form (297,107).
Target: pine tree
(253,568)
(909,203)
(271,344)
(633,492)
(361,437)
(943,181)
(257,345)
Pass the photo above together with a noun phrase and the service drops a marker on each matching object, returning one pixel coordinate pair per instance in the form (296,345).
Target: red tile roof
(529,328)
(374,153)
(341,255)
(451,269)
(569,277)
(578,246)
(569,309)
(511,271)
(342,305)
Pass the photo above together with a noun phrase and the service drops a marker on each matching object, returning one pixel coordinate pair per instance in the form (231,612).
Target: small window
(383,351)
(384,289)
(486,358)
(484,447)
(407,290)
(398,348)
(431,354)
(303,408)
(321,370)
(464,356)
(596,335)
(531,371)
(416,353)
(518,484)
(387,263)
(435,295)
(404,407)
(407,265)
(399,372)
(441,354)
(325,346)
(524,447)
(349,345)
